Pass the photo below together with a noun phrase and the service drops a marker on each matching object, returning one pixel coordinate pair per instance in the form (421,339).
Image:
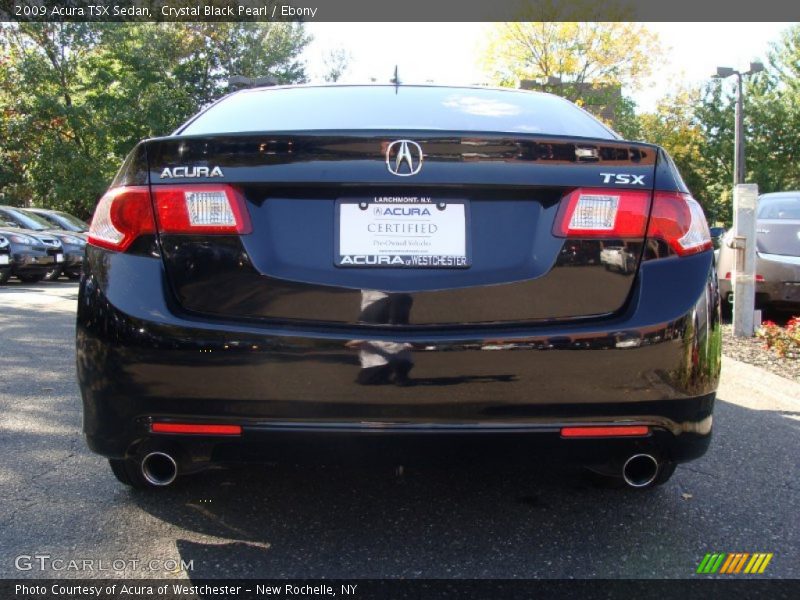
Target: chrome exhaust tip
(640,470)
(159,469)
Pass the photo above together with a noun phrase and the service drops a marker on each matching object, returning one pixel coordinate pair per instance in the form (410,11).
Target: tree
(773,117)
(335,63)
(75,97)
(50,141)
(574,55)
(772,120)
(675,127)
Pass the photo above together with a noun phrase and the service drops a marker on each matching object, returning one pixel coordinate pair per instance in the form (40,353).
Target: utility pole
(743,278)
(745,200)
(738,137)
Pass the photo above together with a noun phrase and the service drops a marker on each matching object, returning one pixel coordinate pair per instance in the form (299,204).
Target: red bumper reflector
(758,277)
(613,431)
(196,429)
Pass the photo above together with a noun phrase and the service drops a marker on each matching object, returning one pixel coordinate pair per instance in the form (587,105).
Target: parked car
(72,244)
(777,254)
(61,219)
(716,236)
(5,259)
(25,255)
(618,258)
(299,266)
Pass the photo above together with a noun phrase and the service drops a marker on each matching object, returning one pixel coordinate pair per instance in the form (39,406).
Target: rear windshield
(390,107)
(786,207)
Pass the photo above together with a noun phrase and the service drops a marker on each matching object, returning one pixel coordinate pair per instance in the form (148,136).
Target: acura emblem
(404,158)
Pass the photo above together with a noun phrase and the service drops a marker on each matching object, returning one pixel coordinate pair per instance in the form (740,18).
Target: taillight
(214,209)
(678,219)
(122,215)
(604,213)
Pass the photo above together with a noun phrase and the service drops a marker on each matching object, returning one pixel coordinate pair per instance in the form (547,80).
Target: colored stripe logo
(733,563)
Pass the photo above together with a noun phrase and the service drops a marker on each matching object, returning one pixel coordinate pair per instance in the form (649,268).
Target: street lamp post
(745,198)
(738,134)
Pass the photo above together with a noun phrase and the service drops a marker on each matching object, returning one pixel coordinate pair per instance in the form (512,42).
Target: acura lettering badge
(404,158)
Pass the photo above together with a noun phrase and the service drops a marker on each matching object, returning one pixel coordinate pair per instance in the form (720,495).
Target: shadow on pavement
(456,519)
(492,519)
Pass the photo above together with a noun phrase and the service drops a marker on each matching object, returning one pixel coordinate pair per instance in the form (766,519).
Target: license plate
(59,258)
(3,259)
(402,232)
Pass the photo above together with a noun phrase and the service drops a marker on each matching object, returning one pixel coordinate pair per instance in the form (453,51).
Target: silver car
(777,254)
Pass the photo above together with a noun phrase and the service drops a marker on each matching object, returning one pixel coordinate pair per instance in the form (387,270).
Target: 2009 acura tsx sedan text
(397,269)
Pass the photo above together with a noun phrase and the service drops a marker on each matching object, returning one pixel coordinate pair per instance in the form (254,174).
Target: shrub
(785,341)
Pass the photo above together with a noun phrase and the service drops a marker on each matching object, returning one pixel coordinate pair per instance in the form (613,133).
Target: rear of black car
(408,264)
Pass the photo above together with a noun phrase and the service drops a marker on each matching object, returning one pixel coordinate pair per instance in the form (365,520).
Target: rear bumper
(781,285)
(32,262)
(140,360)
(769,293)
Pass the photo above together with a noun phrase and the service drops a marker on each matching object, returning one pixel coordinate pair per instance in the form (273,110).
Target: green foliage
(76,97)
(580,55)
(697,128)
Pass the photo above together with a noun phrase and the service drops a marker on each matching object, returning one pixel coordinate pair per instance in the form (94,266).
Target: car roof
(786,194)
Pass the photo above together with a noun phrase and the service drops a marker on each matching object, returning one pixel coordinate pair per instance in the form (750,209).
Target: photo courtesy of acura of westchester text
(341,304)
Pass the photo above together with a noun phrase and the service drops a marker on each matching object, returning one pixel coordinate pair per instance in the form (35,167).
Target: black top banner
(398,11)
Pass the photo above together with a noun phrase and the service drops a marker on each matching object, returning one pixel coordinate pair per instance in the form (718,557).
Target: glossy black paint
(284,271)
(262,330)
(140,357)
(354,159)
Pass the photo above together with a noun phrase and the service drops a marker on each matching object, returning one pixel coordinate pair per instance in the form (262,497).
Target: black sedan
(26,255)
(312,269)
(73,244)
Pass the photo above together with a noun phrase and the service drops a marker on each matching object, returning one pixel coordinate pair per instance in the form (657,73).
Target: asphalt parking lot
(458,520)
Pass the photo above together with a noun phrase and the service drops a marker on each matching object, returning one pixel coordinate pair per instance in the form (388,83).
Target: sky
(449,53)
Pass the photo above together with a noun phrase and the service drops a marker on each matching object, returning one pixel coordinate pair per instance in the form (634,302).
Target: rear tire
(127,471)
(5,276)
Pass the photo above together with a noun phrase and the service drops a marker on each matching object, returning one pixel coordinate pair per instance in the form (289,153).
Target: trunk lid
(505,189)
(779,236)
